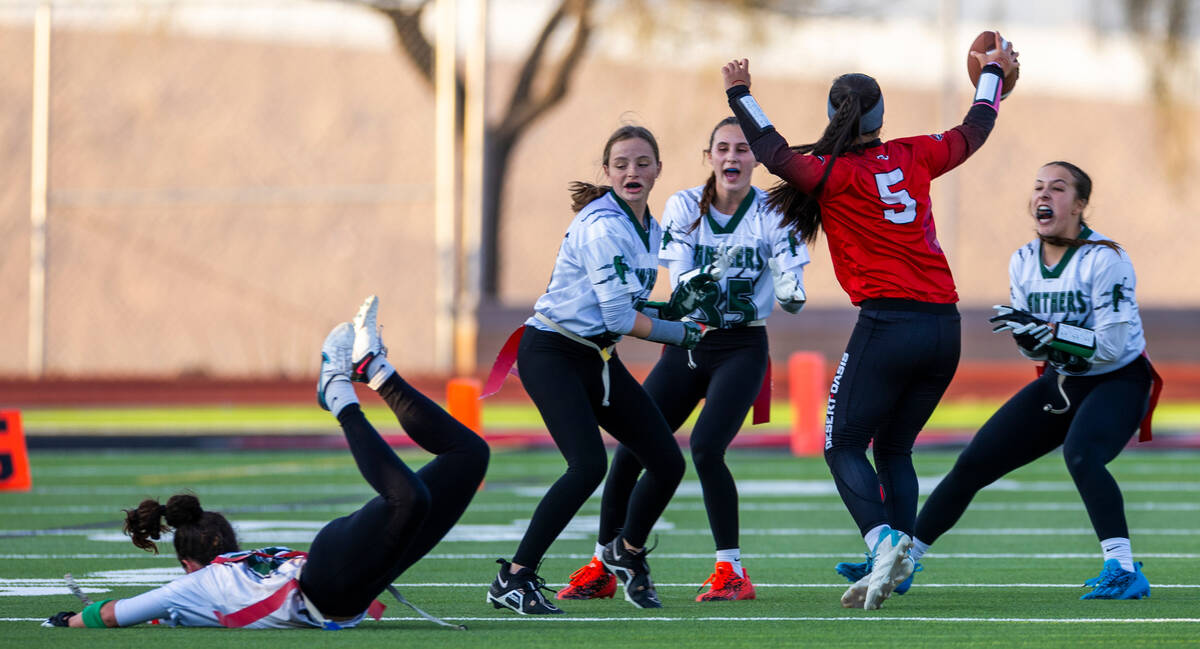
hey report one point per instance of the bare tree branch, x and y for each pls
(407, 24)
(524, 107)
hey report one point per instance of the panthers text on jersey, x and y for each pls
(1091, 286)
(754, 233)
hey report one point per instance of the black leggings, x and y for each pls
(898, 363)
(1105, 411)
(564, 380)
(730, 365)
(353, 558)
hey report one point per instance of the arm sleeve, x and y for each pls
(1113, 296)
(1110, 342)
(960, 142)
(151, 605)
(803, 171)
(619, 314)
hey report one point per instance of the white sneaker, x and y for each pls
(367, 342)
(335, 360)
(892, 567)
(856, 594)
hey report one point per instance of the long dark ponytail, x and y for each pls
(851, 96)
(1083, 191)
(199, 535)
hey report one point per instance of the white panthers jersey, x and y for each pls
(605, 254)
(747, 292)
(197, 598)
(1092, 286)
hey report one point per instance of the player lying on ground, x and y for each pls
(353, 558)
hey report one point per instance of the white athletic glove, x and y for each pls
(788, 290)
(722, 259)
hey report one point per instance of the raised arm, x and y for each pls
(770, 148)
(966, 138)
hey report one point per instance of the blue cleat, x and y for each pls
(855, 571)
(907, 583)
(1114, 582)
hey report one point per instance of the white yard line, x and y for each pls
(807, 618)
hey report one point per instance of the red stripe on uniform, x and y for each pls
(257, 610)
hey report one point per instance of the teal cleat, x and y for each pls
(1114, 582)
(855, 571)
(907, 583)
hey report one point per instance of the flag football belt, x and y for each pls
(506, 359)
(605, 352)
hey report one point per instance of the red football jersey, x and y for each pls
(877, 216)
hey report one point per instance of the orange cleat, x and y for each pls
(726, 585)
(593, 581)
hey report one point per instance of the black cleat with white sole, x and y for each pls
(633, 571)
(520, 592)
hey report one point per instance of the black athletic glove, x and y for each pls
(1030, 332)
(692, 333)
(1068, 363)
(699, 291)
(62, 618)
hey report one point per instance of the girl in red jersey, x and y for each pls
(871, 198)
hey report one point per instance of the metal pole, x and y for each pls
(953, 73)
(466, 335)
(39, 181)
(445, 194)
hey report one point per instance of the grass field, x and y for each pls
(1174, 416)
(1008, 575)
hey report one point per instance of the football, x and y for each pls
(986, 42)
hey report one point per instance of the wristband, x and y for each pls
(991, 80)
(1074, 340)
(91, 615)
(750, 116)
(666, 331)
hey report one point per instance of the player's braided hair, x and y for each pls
(852, 95)
(1083, 191)
(583, 193)
(709, 193)
(199, 535)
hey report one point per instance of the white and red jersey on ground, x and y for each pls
(255, 589)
